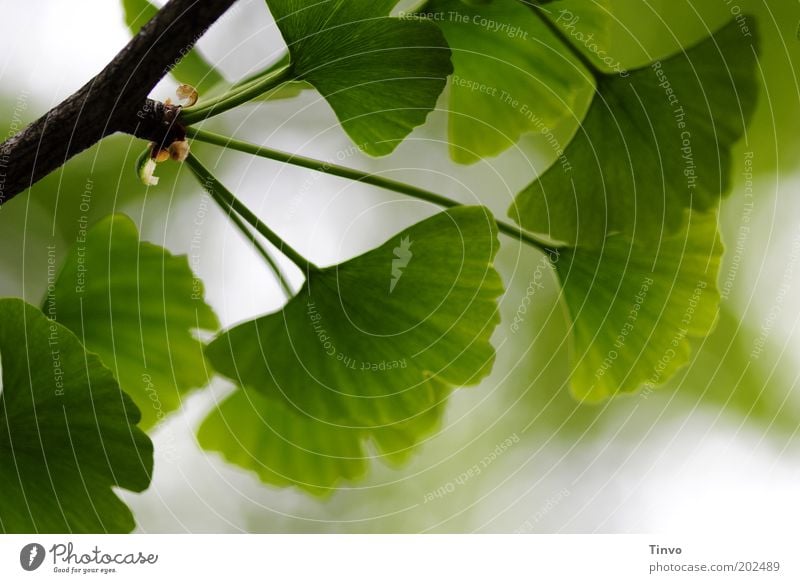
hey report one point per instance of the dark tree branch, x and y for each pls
(114, 101)
(154, 121)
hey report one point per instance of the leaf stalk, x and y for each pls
(358, 176)
(229, 201)
(238, 95)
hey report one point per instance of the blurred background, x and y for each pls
(716, 449)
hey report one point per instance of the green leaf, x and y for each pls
(728, 375)
(281, 445)
(512, 75)
(382, 76)
(285, 447)
(193, 68)
(653, 144)
(136, 305)
(373, 345)
(360, 341)
(635, 306)
(67, 432)
(588, 26)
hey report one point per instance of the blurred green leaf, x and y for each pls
(192, 68)
(774, 135)
(67, 432)
(372, 347)
(382, 76)
(635, 306)
(742, 373)
(136, 305)
(653, 144)
(587, 23)
(642, 32)
(512, 75)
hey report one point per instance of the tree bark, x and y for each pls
(113, 101)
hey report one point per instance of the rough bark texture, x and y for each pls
(114, 101)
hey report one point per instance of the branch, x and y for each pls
(114, 101)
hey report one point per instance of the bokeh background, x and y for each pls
(716, 450)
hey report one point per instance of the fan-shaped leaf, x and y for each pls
(512, 74)
(136, 305)
(381, 75)
(372, 346)
(67, 432)
(360, 341)
(635, 306)
(653, 144)
(287, 448)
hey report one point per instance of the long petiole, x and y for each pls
(237, 96)
(358, 176)
(251, 237)
(228, 200)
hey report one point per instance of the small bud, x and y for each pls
(146, 172)
(161, 156)
(187, 94)
(179, 150)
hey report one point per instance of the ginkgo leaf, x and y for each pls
(635, 306)
(137, 306)
(587, 26)
(373, 345)
(512, 74)
(282, 446)
(67, 432)
(192, 68)
(285, 447)
(382, 76)
(653, 144)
